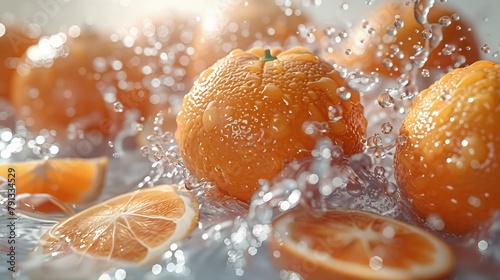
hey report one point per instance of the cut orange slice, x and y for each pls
(72, 180)
(135, 228)
(353, 244)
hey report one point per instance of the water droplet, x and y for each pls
(420, 58)
(409, 92)
(345, 6)
(362, 82)
(110, 144)
(391, 30)
(485, 48)
(426, 73)
(426, 34)
(394, 48)
(343, 93)
(445, 21)
(417, 48)
(354, 189)
(348, 52)
(386, 128)
(385, 100)
(448, 49)
(335, 113)
(145, 151)
(387, 62)
(398, 22)
(445, 95)
(118, 106)
(421, 10)
(455, 17)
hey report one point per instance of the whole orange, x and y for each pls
(448, 166)
(227, 25)
(13, 43)
(77, 85)
(251, 112)
(387, 38)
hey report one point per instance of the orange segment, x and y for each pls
(245, 118)
(134, 228)
(448, 164)
(353, 244)
(71, 180)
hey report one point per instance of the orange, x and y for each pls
(73, 85)
(245, 117)
(71, 180)
(227, 25)
(135, 228)
(448, 164)
(373, 46)
(13, 43)
(353, 244)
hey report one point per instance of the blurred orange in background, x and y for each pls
(389, 38)
(14, 41)
(227, 25)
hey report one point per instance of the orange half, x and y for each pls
(71, 180)
(353, 244)
(135, 228)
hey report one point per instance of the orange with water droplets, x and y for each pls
(133, 229)
(353, 244)
(252, 112)
(71, 180)
(448, 166)
(77, 86)
(387, 38)
(227, 25)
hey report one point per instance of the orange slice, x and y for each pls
(135, 228)
(353, 244)
(72, 180)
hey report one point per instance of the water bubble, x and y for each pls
(417, 48)
(145, 151)
(425, 73)
(110, 144)
(345, 6)
(398, 22)
(426, 34)
(348, 52)
(118, 107)
(445, 21)
(385, 100)
(386, 128)
(455, 17)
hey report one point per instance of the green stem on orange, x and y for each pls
(268, 56)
